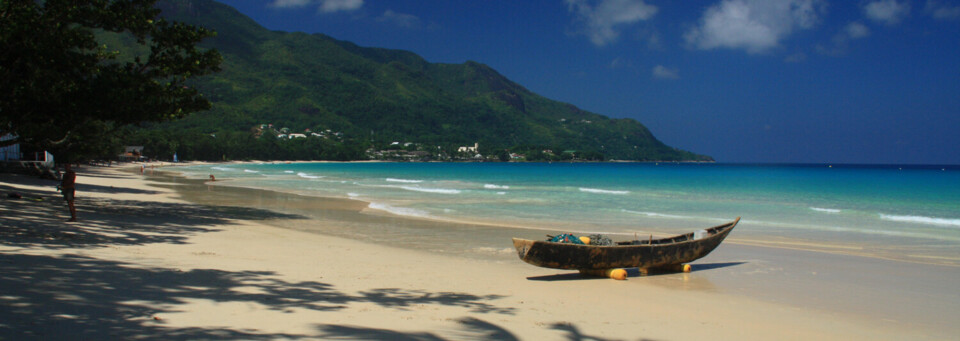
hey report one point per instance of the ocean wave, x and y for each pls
(408, 181)
(308, 176)
(655, 214)
(492, 186)
(825, 210)
(921, 220)
(501, 193)
(859, 230)
(602, 191)
(251, 171)
(225, 169)
(431, 190)
(494, 250)
(402, 211)
(288, 172)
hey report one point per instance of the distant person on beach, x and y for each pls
(68, 188)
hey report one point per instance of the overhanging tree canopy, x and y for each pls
(62, 87)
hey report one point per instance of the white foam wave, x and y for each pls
(492, 186)
(921, 220)
(288, 172)
(494, 250)
(655, 214)
(225, 169)
(825, 210)
(602, 191)
(308, 176)
(408, 181)
(501, 193)
(251, 171)
(911, 234)
(431, 190)
(403, 211)
(353, 195)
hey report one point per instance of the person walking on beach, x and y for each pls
(68, 188)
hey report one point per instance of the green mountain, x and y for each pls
(373, 97)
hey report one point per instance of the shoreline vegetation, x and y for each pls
(143, 262)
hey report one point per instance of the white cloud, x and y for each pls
(855, 30)
(663, 72)
(330, 6)
(841, 41)
(604, 19)
(942, 11)
(325, 6)
(889, 12)
(754, 25)
(290, 3)
(400, 19)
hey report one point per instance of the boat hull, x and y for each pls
(651, 254)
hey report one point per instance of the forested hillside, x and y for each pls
(346, 100)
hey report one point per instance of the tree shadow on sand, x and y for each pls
(471, 329)
(574, 334)
(80, 297)
(76, 297)
(111, 189)
(38, 219)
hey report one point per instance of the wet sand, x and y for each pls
(244, 264)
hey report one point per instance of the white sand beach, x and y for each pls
(142, 263)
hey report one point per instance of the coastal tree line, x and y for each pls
(66, 92)
(228, 145)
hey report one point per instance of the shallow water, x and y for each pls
(904, 213)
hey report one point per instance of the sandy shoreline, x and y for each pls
(836, 242)
(143, 263)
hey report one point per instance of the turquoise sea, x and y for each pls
(909, 213)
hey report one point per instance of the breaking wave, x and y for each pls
(308, 176)
(921, 220)
(401, 211)
(602, 191)
(431, 190)
(492, 186)
(408, 181)
(655, 214)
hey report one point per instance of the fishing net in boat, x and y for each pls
(600, 240)
(594, 239)
(566, 238)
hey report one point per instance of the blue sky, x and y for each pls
(861, 81)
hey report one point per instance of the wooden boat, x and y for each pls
(663, 253)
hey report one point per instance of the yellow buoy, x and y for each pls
(617, 274)
(585, 240)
